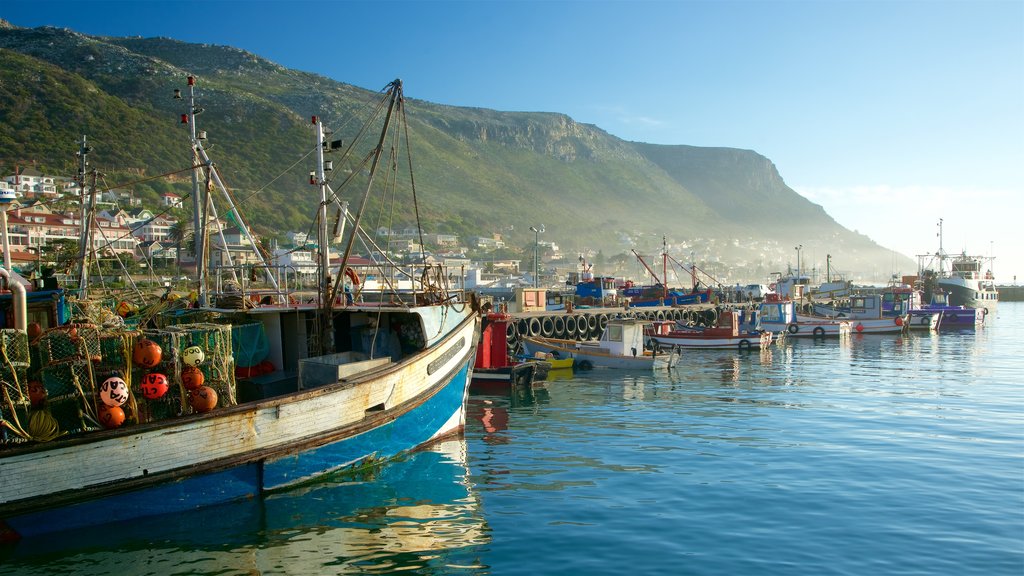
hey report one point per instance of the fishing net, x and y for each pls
(249, 344)
(14, 392)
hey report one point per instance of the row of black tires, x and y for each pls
(591, 326)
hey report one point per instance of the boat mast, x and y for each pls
(203, 202)
(86, 214)
(397, 99)
(664, 267)
(318, 179)
(198, 221)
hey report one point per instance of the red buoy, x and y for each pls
(203, 399)
(154, 386)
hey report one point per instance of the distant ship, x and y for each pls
(964, 283)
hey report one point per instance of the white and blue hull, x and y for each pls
(240, 451)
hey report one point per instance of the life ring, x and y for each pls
(925, 320)
(793, 328)
(819, 332)
(744, 345)
(352, 275)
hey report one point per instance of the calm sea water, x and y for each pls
(877, 455)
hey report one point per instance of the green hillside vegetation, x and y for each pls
(477, 171)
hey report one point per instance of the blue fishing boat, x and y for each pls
(351, 382)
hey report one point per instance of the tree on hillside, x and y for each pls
(180, 233)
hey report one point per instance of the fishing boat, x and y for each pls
(494, 367)
(950, 317)
(421, 508)
(905, 297)
(659, 293)
(129, 421)
(622, 345)
(862, 316)
(726, 334)
(959, 278)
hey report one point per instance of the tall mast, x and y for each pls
(664, 268)
(198, 220)
(319, 180)
(86, 206)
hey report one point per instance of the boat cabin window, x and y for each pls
(614, 333)
(772, 313)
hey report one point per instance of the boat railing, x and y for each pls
(251, 286)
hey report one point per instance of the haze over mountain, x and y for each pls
(478, 172)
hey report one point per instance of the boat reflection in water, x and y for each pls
(417, 513)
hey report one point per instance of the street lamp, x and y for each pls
(798, 259)
(536, 245)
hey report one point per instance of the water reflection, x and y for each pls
(420, 513)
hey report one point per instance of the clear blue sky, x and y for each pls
(889, 114)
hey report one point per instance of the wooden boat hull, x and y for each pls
(240, 451)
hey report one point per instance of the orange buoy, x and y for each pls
(203, 399)
(154, 386)
(147, 353)
(860, 327)
(34, 331)
(111, 416)
(192, 378)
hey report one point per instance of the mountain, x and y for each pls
(477, 171)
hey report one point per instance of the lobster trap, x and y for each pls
(217, 366)
(14, 391)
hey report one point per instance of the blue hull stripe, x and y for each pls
(383, 442)
(406, 432)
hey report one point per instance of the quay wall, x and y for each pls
(583, 324)
(1011, 293)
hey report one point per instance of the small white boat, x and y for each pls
(621, 346)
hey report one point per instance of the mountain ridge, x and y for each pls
(485, 171)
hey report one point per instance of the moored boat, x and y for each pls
(621, 346)
(725, 335)
(351, 383)
(862, 316)
(961, 284)
(494, 366)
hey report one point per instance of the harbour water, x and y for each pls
(874, 455)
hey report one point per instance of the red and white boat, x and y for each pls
(726, 335)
